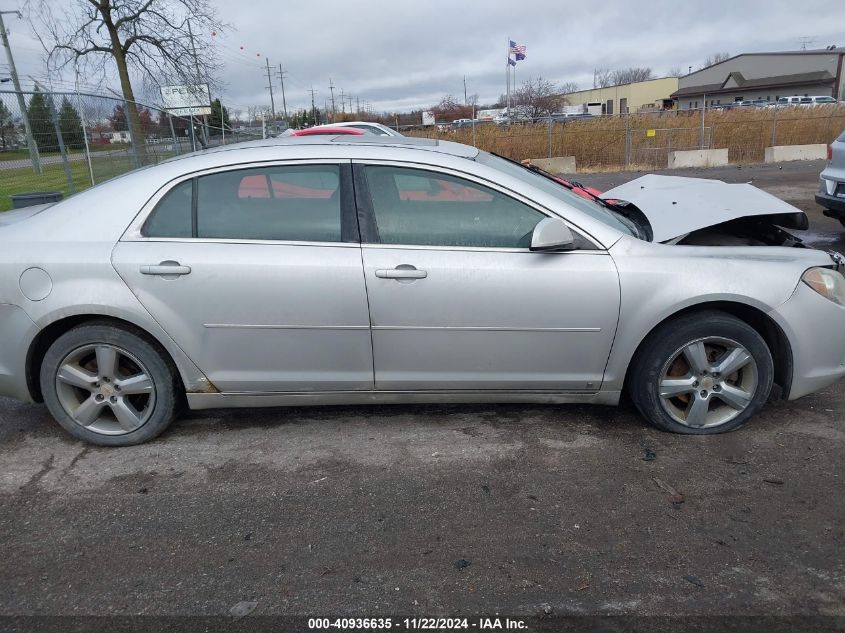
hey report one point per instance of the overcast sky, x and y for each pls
(405, 54)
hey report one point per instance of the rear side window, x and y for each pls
(288, 203)
(172, 215)
(417, 207)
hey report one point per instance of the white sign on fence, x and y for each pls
(428, 118)
(186, 100)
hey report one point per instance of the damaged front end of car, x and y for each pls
(701, 212)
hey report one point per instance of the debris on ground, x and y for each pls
(462, 563)
(650, 455)
(675, 497)
(242, 609)
(694, 580)
(774, 481)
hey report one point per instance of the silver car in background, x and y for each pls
(337, 270)
(831, 194)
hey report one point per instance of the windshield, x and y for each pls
(591, 207)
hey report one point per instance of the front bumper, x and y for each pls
(833, 207)
(815, 327)
(16, 332)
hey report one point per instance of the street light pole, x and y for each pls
(30, 141)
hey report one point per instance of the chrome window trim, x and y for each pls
(133, 232)
(510, 193)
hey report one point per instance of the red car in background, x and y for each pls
(322, 131)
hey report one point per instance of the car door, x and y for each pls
(458, 301)
(256, 274)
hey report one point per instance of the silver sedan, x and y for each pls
(339, 270)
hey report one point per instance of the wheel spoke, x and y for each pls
(140, 383)
(88, 412)
(733, 396)
(106, 361)
(696, 356)
(671, 387)
(75, 376)
(126, 415)
(735, 360)
(697, 412)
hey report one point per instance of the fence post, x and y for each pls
(173, 135)
(62, 149)
(775, 125)
(550, 136)
(627, 140)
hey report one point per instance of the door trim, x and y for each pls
(233, 400)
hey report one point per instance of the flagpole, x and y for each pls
(508, 80)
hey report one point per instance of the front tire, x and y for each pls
(702, 374)
(109, 386)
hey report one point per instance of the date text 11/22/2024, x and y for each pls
(410, 624)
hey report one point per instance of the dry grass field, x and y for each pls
(645, 139)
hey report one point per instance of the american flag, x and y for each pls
(517, 49)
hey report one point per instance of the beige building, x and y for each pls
(654, 94)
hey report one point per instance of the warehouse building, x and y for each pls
(767, 76)
(651, 95)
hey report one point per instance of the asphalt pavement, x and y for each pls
(435, 510)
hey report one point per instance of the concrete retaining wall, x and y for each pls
(698, 158)
(557, 165)
(781, 153)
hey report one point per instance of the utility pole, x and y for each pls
(331, 88)
(358, 105)
(30, 141)
(465, 91)
(313, 106)
(270, 86)
(282, 74)
(342, 102)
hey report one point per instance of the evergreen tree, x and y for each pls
(7, 127)
(41, 123)
(71, 126)
(219, 117)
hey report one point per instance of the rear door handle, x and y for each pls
(401, 273)
(165, 268)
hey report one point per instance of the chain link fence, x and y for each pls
(68, 141)
(645, 140)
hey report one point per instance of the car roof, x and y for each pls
(329, 142)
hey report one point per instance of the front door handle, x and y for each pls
(401, 272)
(165, 268)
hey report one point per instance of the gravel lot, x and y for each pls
(427, 510)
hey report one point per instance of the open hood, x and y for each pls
(676, 206)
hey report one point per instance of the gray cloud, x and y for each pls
(404, 54)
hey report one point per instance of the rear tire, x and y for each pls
(701, 374)
(109, 386)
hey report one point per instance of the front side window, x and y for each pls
(418, 207)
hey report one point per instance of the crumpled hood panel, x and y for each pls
(675, 205)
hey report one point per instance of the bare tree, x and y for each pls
(675, 71)
(149, 38)
(602, 77)
(568, 87)
(537, 98)
(630, 75)
(716, 58)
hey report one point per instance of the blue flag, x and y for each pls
(511, 62)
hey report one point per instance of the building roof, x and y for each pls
(741, 83)
(816, 51)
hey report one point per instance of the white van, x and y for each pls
(805, 101)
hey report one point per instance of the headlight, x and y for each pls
(828, 283)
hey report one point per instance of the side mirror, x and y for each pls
(552, 234)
